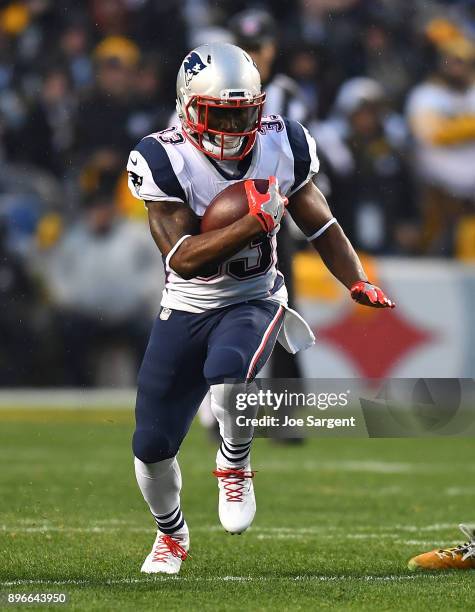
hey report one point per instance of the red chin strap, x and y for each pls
(201, 129)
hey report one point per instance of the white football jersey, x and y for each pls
(165, 166)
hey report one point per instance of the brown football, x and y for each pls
(229, 205)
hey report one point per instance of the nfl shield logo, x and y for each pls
(165, 314)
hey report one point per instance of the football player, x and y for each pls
(457, 557)
(224, 304)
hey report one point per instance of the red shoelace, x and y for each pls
(166, 545)
(234, 481)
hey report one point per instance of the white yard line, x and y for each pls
(416, 528)
(392, 533)
(427, 543)
(113, 522)
(45, 528)
(364, 466)
(456, 491)
(116, 525)
(59, 529)
(152, 579)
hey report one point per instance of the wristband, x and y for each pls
(321, 230)
(174, 250)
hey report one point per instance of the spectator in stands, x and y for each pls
(74, 52)
(105, 280)
(48, 133)
(371, 189)
(150, 113)
(386, 59)
(103, 127)
(304, 69)
(441, 114)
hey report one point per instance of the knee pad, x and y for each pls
(225, 362)
(151, 446)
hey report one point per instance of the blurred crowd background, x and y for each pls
(385, 86)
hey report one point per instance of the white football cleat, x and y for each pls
(237, 503)
(167, 553)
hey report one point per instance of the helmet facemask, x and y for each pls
(223, 128)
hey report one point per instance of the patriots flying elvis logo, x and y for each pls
(193, 64)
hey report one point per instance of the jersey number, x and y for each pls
(171, 136)
(240, 269)
(271, 124)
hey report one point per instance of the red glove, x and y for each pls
(269, 207)
(369, 295)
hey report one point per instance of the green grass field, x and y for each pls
(336, 521)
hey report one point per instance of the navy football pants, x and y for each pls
(185, 355)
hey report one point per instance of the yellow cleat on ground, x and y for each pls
(458, 557)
